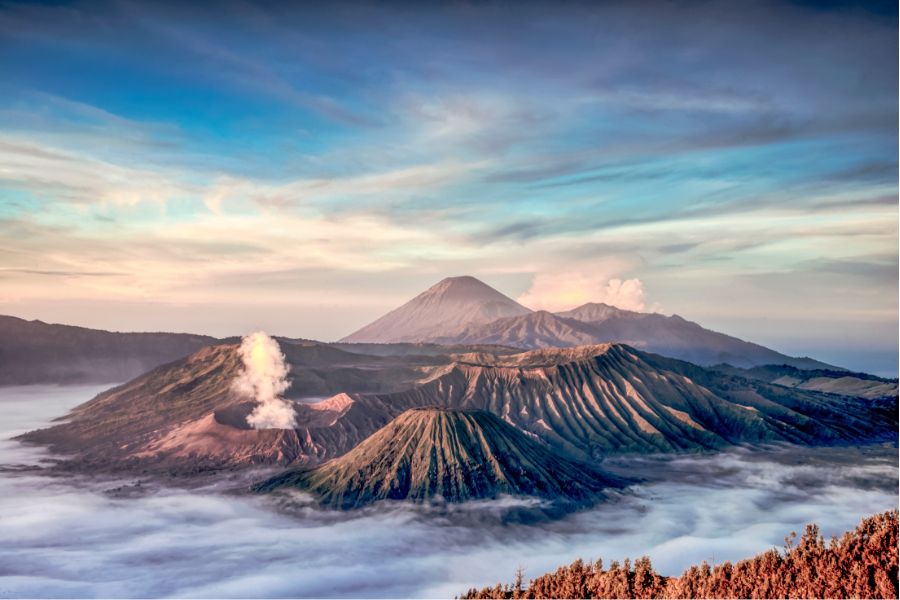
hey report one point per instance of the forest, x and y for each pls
(860, 564)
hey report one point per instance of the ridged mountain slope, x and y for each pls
(452, 455)
(612, 399)
(539, 329)
(599, 324)
(187, 413)
(587, 402)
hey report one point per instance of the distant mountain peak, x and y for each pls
(593, 312)
(449, 305)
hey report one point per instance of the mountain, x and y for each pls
(450, 304)
(860, 385)
(593, 401)
(586, 402)
(187, 416)
(37, 352)
(596, 323)
(679, 338)
(539, 329)
(453, 455)
(594, 312)
(466, 311)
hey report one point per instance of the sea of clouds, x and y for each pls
(70, 537)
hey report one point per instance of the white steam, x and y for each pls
(264, 379)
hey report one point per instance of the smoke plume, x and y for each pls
(264, 379)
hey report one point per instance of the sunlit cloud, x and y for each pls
(569, 289)
(295, 154)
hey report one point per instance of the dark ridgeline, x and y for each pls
(861, 564)
(34, 352)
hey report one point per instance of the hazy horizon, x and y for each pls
(304, 169)
(829, 346)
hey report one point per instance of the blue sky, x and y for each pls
(216, 168)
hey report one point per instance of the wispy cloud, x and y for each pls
(699, 146)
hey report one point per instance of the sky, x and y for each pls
(221, 168)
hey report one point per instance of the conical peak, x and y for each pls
(443, 309)
(464, 287)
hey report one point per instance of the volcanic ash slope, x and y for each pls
(431, 453)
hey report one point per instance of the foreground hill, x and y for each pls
(464, 310)
(37, 352)
(861, 564)
(452, 455)
(586, 402)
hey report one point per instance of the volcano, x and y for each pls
(449, 305)
(430, 453)
(586, 403)
(466, 311)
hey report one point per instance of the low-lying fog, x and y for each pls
(64, 537)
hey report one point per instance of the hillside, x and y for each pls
(669, 336)
(585, 402)
(861, 385)
(679, 338)
(612, 399)
(860, 564)
(36, 352)
(448, 305)
(452, 455)
(539, 329)
(186, 415)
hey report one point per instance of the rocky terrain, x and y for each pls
(463, 310)
(440, 454)
(587, 403)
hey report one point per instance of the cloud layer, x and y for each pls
(73, 538)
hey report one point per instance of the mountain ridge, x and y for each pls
(33, 352)
(590, 323)
(586, 403)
